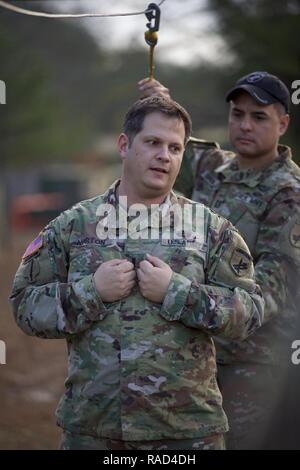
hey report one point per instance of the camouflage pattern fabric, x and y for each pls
(139, 370)
(78, 442)
(185, 181)
(265, 207)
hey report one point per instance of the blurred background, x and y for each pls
(68, 85)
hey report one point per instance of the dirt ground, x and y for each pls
(32, 380)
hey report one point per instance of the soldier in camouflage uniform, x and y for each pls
(138, 313)
(258, 190)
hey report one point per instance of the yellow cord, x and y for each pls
(151, 63)
(151, 39)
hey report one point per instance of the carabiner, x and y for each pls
(151, 37)
(153, 15)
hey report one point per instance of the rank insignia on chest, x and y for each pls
(240, 262)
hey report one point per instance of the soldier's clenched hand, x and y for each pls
(154, 278)
(114, 279)
(149, 87)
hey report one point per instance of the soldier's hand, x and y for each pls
(154, 277)
(114, 279)
(150, 87)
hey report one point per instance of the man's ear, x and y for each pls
(284, 123)
(123, 145)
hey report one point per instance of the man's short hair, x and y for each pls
(135, 116)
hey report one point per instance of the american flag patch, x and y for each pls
(33, 247)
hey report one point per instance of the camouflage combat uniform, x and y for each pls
(265, 207)
(71, 441)
(139, 371)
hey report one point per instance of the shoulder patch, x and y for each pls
(295, 235)
(34, 246)
(240, 262)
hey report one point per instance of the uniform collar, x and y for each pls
(230, 172)
(110, 196)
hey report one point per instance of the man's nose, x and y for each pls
(246, 123)
(164, 153)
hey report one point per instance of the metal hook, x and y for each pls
(153, 15)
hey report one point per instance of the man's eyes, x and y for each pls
(260, 117)
(175, 149)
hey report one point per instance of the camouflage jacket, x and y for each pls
(139, 370)
(265, 207)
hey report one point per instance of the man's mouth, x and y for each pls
(159, 170)
(245, 140)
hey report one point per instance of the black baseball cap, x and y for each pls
(264, 88)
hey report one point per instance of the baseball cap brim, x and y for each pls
(262, 97)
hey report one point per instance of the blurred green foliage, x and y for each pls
(64, 92)
(37, 122)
